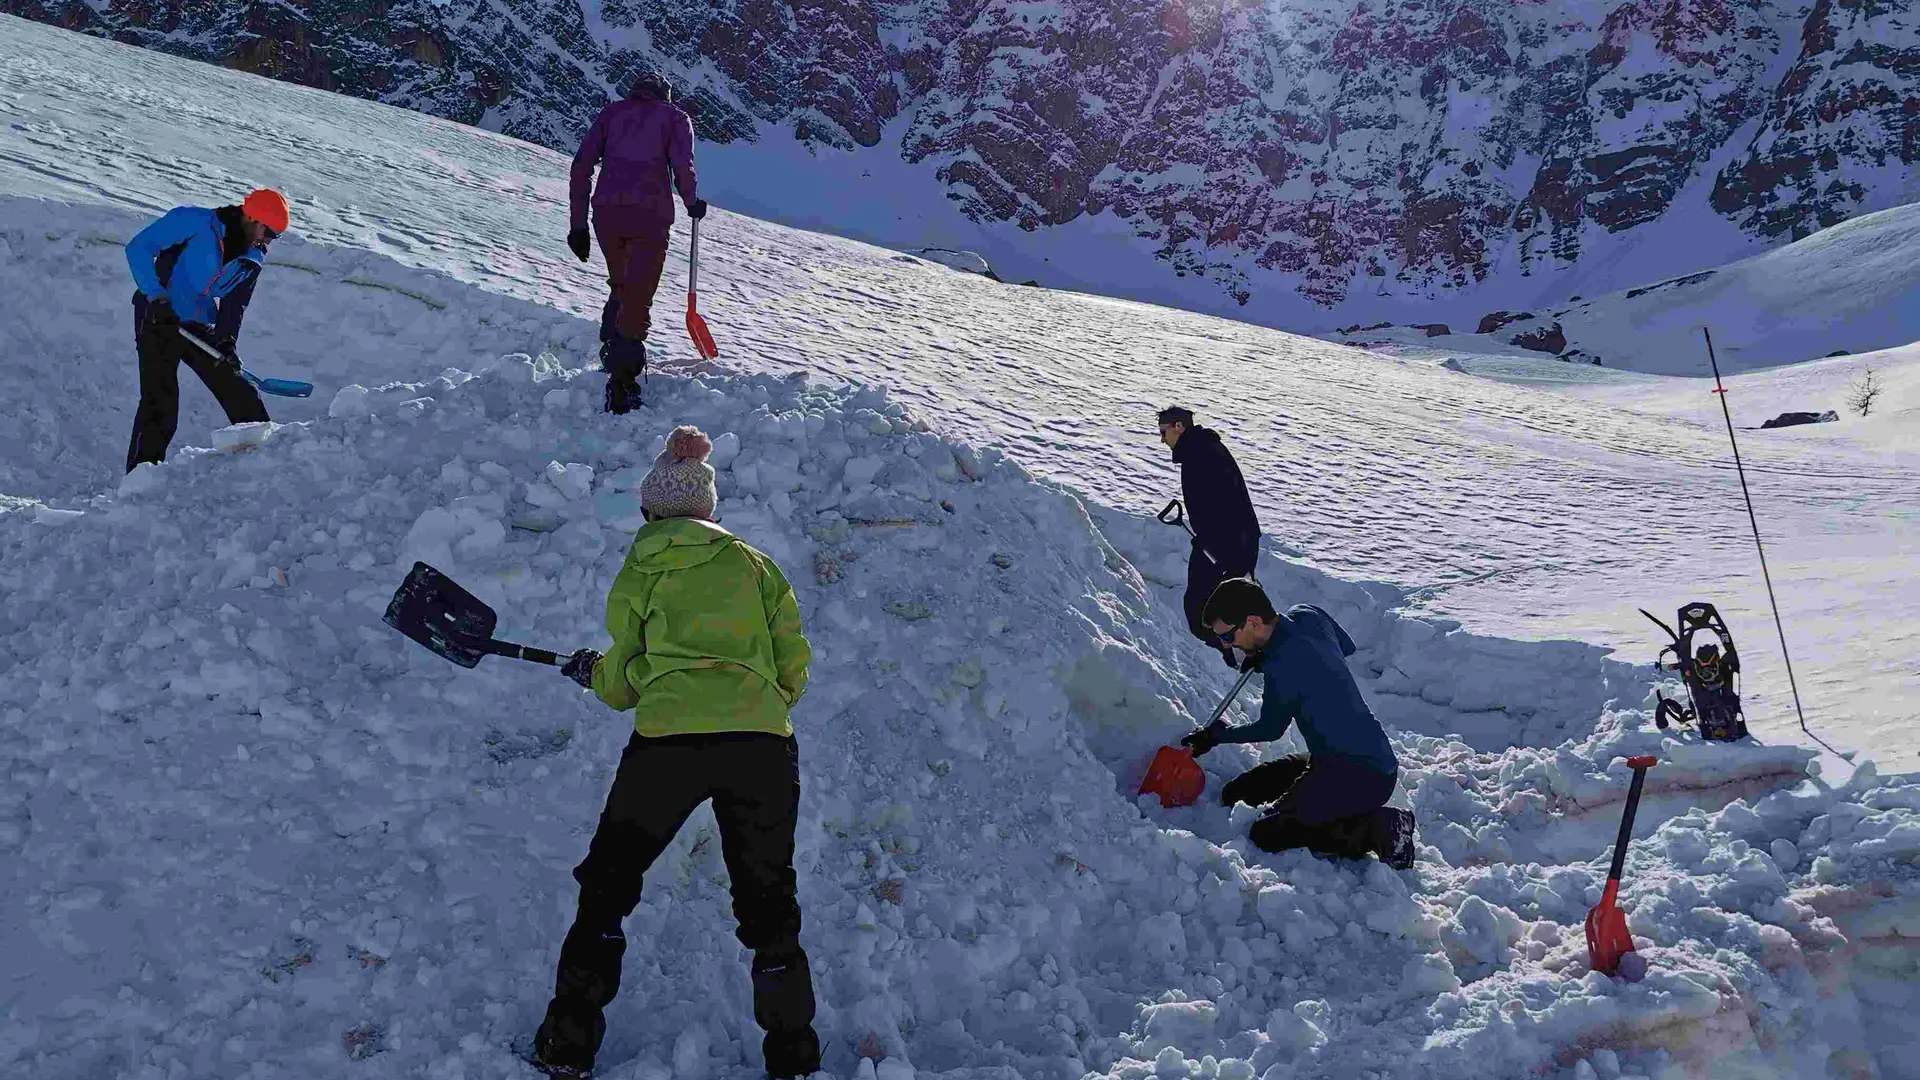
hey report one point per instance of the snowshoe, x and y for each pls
(1711, 673)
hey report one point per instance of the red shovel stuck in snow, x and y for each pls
(697, 326)
(1173, 774)
(1607, 937)
(1175, 777)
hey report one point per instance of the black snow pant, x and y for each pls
(162, 350)
(1203, 576)
(1326, 804)
(754, 782)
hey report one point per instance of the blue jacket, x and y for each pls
(192, 256)
(1305, 668)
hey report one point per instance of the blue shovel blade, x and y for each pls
(279, 387)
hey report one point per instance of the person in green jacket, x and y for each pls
(708, 653)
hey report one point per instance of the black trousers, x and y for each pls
(754, 782)
(1326, 805)
(162, 350)
(1203, 576)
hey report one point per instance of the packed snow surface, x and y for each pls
(254, 832)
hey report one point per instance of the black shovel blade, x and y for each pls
(432, 609)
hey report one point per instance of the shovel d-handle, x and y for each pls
(1639, 765)
(496, 647)
(1175, 515)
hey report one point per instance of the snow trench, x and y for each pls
(255, 832)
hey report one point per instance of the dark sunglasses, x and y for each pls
(1227, 637)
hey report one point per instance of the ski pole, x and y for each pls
(1720, 389)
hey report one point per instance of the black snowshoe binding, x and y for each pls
(1711, 672)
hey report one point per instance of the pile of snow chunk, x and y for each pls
(253, 827)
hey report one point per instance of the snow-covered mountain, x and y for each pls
(1304, 164)
(1852, 288)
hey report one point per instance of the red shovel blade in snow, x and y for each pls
(697, 326)
(1175, 777)
(1607, 936)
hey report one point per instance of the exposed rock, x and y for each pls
(1795, 419)
(1550, 340)
(1493, 321)
(1433, 329)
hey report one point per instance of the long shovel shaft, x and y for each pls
(1221, 710)
(1626, 820)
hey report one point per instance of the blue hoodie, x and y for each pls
(184, 256)
(1305, 669)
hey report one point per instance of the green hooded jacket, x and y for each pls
(706, 635)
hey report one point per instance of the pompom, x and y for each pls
(689, 443)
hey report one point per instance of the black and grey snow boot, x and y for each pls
(625, 361)
(1393, 836)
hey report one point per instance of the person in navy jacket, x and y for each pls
(195, 270)
(1334, 797)
(1226, 534)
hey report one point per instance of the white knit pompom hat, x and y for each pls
(680, 484)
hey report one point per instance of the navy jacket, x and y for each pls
(1305, 668)
(1216, 496)
(196, 259)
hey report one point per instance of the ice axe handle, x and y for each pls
(521, 652)
(1639, 765)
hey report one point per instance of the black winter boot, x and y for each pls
(625, 360)
(783, 1006)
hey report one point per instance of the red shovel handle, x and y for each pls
(1646, 761)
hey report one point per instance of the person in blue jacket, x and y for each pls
(195, 269)
(1333, 799)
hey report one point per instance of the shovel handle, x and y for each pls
(521, 652)
(1228, 700)
(1639, 765)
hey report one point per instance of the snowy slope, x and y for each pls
(1851, 288)
(1526, 514)
(256, 833)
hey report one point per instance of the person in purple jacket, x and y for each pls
(643, 146)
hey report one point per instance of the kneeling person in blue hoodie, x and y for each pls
(1332, 800)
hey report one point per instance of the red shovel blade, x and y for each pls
(1607, 936)
(697, 330)
(1175, 777)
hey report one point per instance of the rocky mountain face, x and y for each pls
(1323, 146)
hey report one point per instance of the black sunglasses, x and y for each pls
(1226, 638)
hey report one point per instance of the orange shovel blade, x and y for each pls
(697, 330)
(1607, 936)
(1175, 777)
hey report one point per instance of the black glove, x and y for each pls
(698, 210)
(579, 667)
(1252, 661)
(1205, 738)
(577, 240)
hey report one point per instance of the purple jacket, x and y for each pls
(635, 142)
